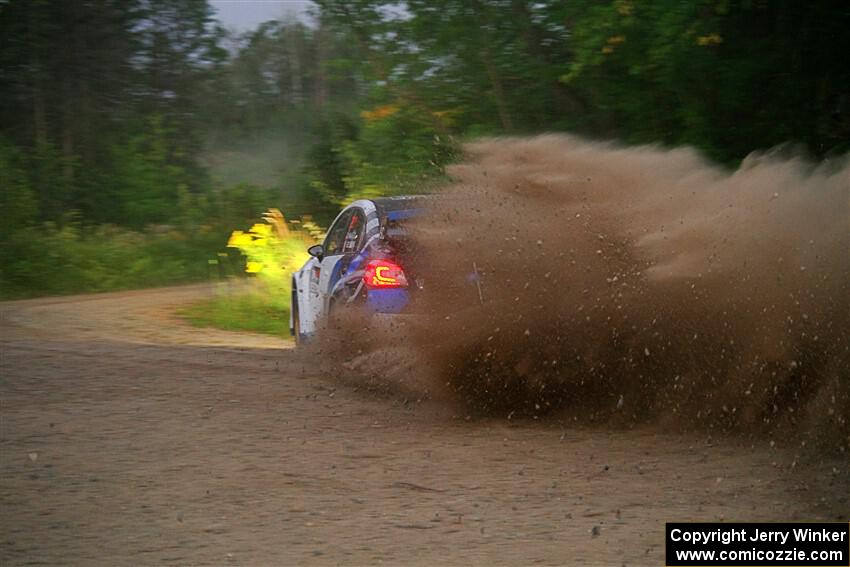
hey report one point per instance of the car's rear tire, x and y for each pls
(342, 317)
(333, 314)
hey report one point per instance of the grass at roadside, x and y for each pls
(242, 312)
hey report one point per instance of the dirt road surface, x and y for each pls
(130, 438)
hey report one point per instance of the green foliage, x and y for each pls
(72, 257)
(147, 180)
(398, 148)
(726, 77)
(253, 311)
(52, 259)
(18, 207)
(327, 167)
(392, 149)
(79, 78)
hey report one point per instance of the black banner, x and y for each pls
(758, 544)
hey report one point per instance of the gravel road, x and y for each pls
(130, 438)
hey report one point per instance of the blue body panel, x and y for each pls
(387, 300)
(403, 214)
(392, 301)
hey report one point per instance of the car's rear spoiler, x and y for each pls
(390, 227)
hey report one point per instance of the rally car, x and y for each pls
(364, 263)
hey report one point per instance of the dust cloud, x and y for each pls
(628, 285)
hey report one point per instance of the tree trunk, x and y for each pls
(295, 67)
(39, 112)
(320, 89)
(498, 91)
(67, 150)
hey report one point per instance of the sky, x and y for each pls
(245, 15)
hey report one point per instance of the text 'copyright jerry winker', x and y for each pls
(754, 544)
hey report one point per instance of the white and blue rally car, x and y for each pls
(364, 261)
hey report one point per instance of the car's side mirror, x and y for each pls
(316, 251)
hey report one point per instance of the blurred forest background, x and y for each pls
(136, 134)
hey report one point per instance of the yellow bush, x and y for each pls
(274, 249)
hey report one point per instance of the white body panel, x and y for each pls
(306, 292)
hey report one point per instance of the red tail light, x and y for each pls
(384, 274)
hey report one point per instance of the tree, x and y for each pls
(727, 77)
(18, 207)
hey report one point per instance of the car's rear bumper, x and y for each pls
(387, 301)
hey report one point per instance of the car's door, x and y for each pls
(343, 244)
(332, 248)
